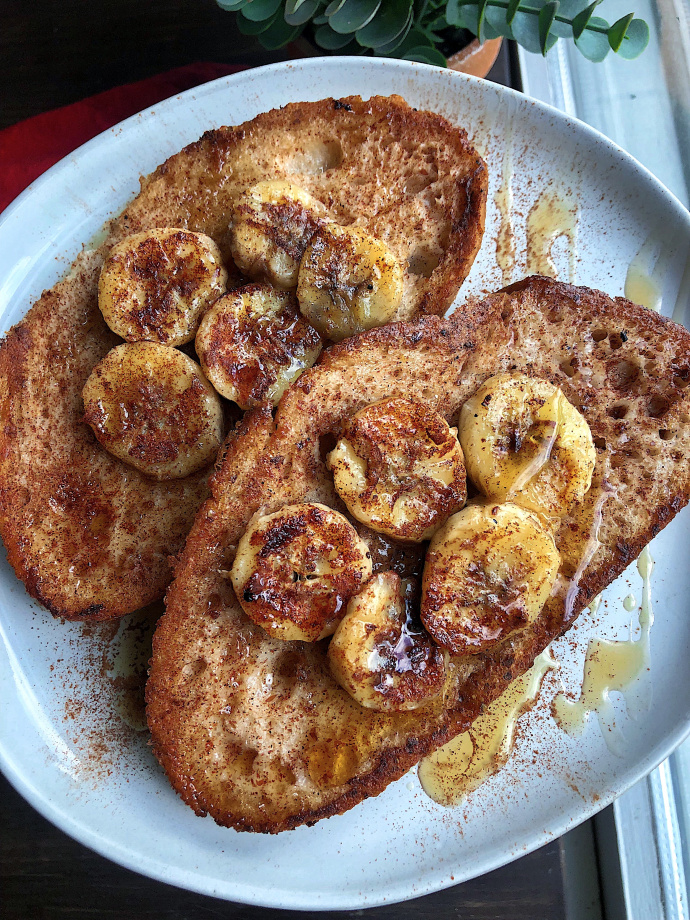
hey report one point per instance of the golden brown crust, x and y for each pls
(407, 177)
(89, 536)
(92, 539)
(306, 750)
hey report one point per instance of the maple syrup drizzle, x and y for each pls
(461, 766)
(621, 666)
(552, 216)
(642, 281)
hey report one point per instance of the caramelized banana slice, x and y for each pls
(348, 282)
(380, 656)
(399, 469)
(295, 570)
(151, 406)
(272, 223)
(253, 343)
(155, 285)
(525, 442)
(488, 572)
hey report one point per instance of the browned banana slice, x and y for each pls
(296, 569)
(155, 285)
(151, 406)
(399, 469)
(348, 281)
(253, 343)
(380, 656)
(272, 222)
(488, 572)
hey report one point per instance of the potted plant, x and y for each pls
(432, 31)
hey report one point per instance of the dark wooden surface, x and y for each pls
(53, 53)
(44, 875)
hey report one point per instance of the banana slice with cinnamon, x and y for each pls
(296, 568)
(253, 343)
(272, 222)
(488, 573)
(150, 406)
(399, 468)
(155, 285)
(380, 656)
(348, 281)
(524, 442)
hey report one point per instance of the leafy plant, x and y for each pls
(431, 30)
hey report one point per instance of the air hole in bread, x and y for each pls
(623, 374)
(326, 444)
(244, 762)
(620, 410)
(555, 317)
(615, 340)
(417, 183)
(193, 669)
(423, 262)
(657, 406)
(599, 443)
(653, 451)
(568, 367)
(599, 335)
(318, 158)
(680, 382)
(667, 434)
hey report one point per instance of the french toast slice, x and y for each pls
(407, 177)
(91, 537)
(255, 731)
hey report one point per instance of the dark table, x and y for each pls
(57, 53)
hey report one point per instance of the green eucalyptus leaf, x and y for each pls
(481, 7)
(525, 28)
(408, 39)
(320, 20)
(388, 24)
(291, 6)
(333, 7)
(453, 13)
(594, 45)
(250, 27)
(231, 6)
(571, 8)
(469, 17)
(261, 10)
(618, 30)
(279, 34)
(304, 12)
(635, 41)
(426, 55)
(353, 15)
(496, 20)
(580, 21)
(547, 14)
(513, 7)
(399, 42)
(329, 40)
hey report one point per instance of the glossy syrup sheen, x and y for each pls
(462, 765)
(613, 666)
(552, 216)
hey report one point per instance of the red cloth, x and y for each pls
(30, 147)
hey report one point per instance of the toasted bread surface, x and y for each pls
(255, 731)
(91, 537)
(408, 177)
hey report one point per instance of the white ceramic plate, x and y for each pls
(63, 743)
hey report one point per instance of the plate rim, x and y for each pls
(289, 899)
